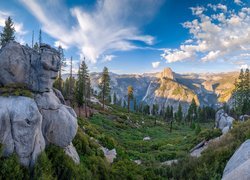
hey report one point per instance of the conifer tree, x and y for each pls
(82, 90)
(179, 114)
(114, 98)
(192, 112)
(40, 38)
(79, 90)
(104, 86)
(135, 105)
(36, 47)
(241, 94)
(61, 64)
(8, 32)
(130, 95)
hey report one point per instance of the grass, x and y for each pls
(17, 89)
(127, 130)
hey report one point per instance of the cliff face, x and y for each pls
(28, 124)
(169, 88)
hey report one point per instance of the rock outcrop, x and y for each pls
(238, 165)
(28, 124)
(223, 121)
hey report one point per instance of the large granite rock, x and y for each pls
(20, 128)
(239, 164)
(27, 125)
(223, 121)
(23, 65)
(59, 121)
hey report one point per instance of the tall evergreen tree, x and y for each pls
(114, 98)
(61, 64)
(36, 47)
(241, 94)
(8, 32)
(40, 38)
(130, 94)
(179, 114)
(192, 112)
(104, 86)
(82, 90)
(135, 105)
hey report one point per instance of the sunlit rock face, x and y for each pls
(27, 124)
(223, 121)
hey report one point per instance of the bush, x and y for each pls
(43, 168)
(10, 168)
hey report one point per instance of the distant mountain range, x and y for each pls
(170, 88)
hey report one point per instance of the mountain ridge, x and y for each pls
(170, 88)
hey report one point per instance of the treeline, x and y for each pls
(77, 91)
(241, 94)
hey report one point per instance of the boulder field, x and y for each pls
(29, 124)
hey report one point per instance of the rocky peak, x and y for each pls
(167, 73)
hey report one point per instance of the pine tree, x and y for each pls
(40, 38)
(130, 95)
(71, 82)
(8, 32)
(61, 56)
(36, 47)
(83, 90)
(79, 90)
(241, 94)
(114, 98)
(135, 105)
(179, 114)
(104, 86)
(192, 112)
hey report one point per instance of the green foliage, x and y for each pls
(10, 168)
(197, 129)
(17, 89)
(241, 94)
(43, 168)
(104, 85)
(126, 169)
(8, 32)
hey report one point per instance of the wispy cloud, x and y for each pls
(110, 26)
(222, 35)
(108, 58)
(156, 64)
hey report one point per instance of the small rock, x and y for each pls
(147, 138)
(70, 150)
(109, 154)
(137, 162)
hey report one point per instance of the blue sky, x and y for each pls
(137, 36)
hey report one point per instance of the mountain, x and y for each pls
(170, 88)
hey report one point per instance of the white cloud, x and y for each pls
(59, 43)
(244, 66)
(218, 36)
(156, 64)
(212, 55)
(108, 58)
(111, 25)
(218, 7)
(239, 2)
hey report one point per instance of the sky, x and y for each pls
(139, 36)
